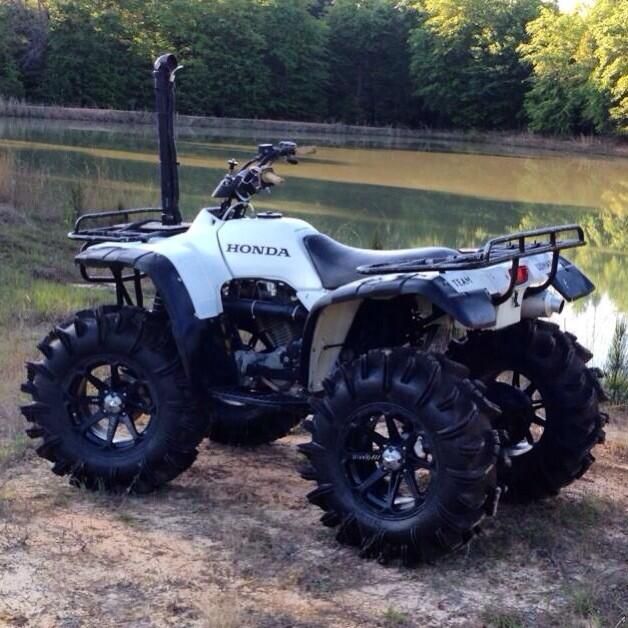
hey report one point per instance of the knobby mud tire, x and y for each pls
(556, 363)
(451, 411)
(179, 426)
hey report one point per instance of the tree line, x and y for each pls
(486, 64)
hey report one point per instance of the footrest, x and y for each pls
(270, 399)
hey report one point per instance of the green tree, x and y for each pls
(608, 21)
(369, 62)
(11, 76)
(92, 60)
(465, 65)
(25, 39)
(11, 85)
(296, 60)
(561, 53)
(222, 49)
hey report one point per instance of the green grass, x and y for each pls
(583, 602)
(34, 301)
(36, 265)
(12, 448)
(598, 603)
(394, 618)
(36, 287)
(499, 618)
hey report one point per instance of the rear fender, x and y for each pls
(331, 317)
(570, 282)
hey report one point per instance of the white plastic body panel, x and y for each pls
(496, 279)
(197, 259)
(213, 252)
(272, 248)
(331, 330)
(268, 248)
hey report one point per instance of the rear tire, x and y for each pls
(439, 440)
(555, 365)
(149, 425)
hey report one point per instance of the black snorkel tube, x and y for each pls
(163, 72)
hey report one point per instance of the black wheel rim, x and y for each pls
(389, 460)
(523, 405)
(111, 404)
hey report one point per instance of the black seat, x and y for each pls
(336, 263)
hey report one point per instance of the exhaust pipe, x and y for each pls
(543, 304)
(164, 70)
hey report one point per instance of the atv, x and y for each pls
(434, 385)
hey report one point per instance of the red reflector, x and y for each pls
(522, 275)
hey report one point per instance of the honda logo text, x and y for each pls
(255, 249)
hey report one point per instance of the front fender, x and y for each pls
(190, 332)
(332, 315)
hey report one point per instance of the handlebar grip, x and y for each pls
(286, 148)
(271, 178)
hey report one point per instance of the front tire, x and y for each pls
(403, 454)
(112, 404)
(560, 420)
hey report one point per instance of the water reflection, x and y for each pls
(395, 198)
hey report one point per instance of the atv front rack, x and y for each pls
(137, 231)
(507, 248)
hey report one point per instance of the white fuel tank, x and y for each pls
(271, 248)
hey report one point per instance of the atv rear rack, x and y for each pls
(137, 231)
(507, 248)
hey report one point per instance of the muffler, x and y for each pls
(543, 304)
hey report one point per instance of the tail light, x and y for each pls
(521, 275)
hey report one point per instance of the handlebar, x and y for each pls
(257, 174)
(269, 153)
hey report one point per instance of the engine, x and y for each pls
(267, 324)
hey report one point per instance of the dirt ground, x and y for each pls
(233, 543)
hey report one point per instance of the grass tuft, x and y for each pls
(394, 618)
(616, 380)
(12, 448)
(598, 602)
(500, 618)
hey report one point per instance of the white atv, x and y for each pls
(434, 387)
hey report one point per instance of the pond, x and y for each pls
(364, 194)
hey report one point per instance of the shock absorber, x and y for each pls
(158, 304)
